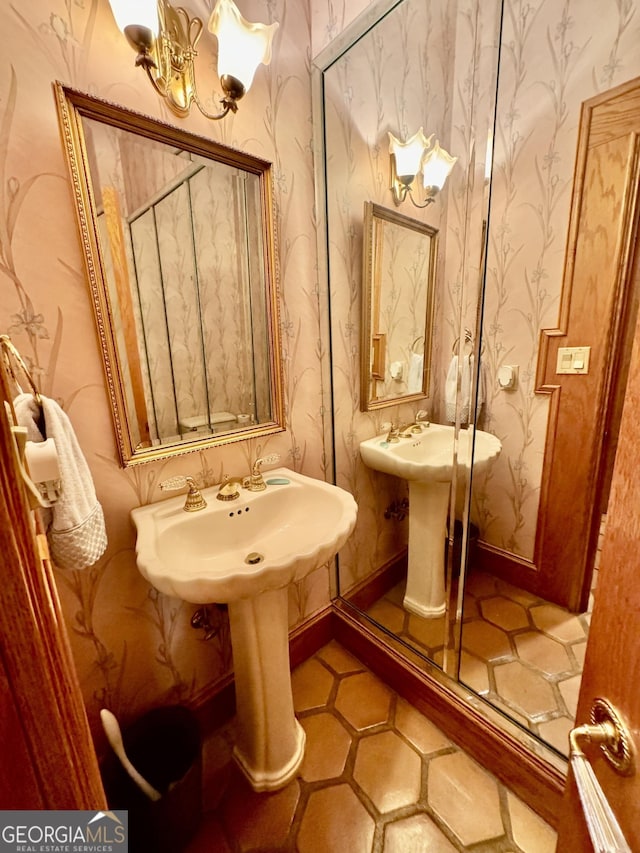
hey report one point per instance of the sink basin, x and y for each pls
(426, 461)
(245, 552)
(428, 456)
(241, 548)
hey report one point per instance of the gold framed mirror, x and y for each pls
(399, 260)
(178, 240)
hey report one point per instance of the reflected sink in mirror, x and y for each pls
(426, 460)
(428, 456)
(245, 552)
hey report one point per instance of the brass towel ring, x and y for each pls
(9, 349)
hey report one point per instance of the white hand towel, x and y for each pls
(416, 369)
(75, 524)
(451, 386)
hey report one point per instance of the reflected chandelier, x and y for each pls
(414, 158)
(165, 38)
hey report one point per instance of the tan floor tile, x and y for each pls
(339, 659)
(326, 748)
(465, 797)
(556, 733)
(418, 729)
(529, 831)
(429, 632)
(363, 700)
(504, 613)
(515, 594)
(335, 821)
(398, 784)
(474, 673)
(481, 584)
(524, 689)
(544, 653)
(557, 622)
(501, 706)
(470, 609)
(388, 615)
(485, 641)
(311, 684)
(250, 817)
(579, 651)
(416, 834)
(396, 595)
(569, 690)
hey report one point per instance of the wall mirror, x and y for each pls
(398, 267)
(178, 239)
(447, 83)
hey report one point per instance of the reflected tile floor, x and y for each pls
(524, 655)
(377, 777)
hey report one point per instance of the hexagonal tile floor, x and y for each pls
(377, 777)
(519, 652)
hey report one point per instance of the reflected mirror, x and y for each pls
(397, 307)
(177, 233)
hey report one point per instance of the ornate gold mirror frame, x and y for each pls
(399, 260)
(190, 345)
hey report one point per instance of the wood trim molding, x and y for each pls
(533, 779)
(375, 585)
(593, 312)
(510, 567)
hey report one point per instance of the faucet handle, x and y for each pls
(256, 483)
(174, 483)
(194, 501)
(265, 460)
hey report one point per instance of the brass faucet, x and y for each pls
(412, 428)
(415, 426)
(229, 489)
(194, 500)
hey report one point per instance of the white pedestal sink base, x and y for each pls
(428, 511)
(270, 742)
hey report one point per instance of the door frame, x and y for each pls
(44, 719)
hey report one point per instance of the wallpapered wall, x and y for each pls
(133, 647)
(555, 55)
(377, 87)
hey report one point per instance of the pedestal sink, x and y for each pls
(426, 461)
(245, 552)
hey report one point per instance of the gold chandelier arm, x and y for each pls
(148, 64)
(228, 105)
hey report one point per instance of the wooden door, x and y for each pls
(612, 666)
(48, 759)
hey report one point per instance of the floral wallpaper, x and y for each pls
(134, 647)
(554, 56)
(368, 92)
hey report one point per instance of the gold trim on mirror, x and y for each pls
(399, 261)
(188, 325)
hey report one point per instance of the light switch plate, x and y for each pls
(573, 360)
